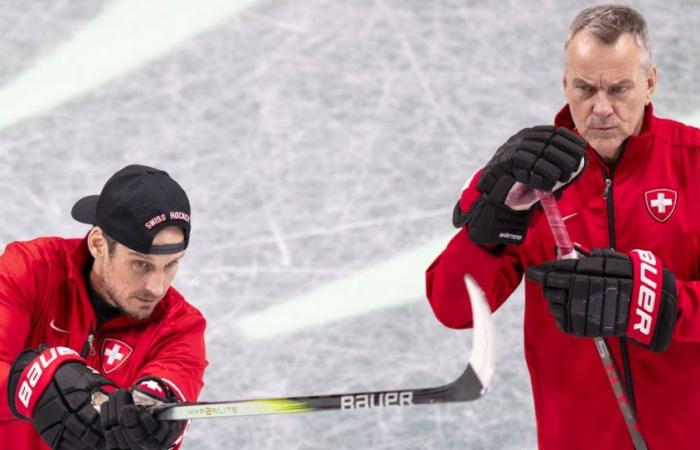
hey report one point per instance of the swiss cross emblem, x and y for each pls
(661, 203)
(114, 353)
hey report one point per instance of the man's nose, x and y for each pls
(602, 106)
(156, 284)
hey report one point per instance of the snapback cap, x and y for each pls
(134, 205)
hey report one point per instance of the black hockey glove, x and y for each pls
(611, 294)
(544, 158)
(128, 424)
(53, 388)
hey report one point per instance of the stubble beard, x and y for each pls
(113, 298)
(137, 314)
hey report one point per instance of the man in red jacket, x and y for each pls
(92, 333)
(628, 187)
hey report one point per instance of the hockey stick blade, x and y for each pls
(471, 384)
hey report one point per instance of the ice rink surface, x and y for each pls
(323, 145)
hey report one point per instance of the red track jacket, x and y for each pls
(43, 300)
(651, 201)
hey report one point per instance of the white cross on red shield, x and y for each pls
(114, 354)
(661, 203)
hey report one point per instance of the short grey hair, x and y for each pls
(609, 22)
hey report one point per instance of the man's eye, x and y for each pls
(618, 89)
(140, 266)
(584, 89)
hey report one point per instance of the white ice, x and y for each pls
(323, 144)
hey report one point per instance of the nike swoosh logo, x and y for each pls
(53, 325)
(565, 218)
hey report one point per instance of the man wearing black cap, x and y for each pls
(92, 333)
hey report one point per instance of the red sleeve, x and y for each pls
(688, 318)
(179, 358)
(17, 288)
(497, 274)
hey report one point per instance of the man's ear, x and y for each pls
(97, 245)
(651, 84)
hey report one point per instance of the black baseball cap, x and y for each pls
(135, 204)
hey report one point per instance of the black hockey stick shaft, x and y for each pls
(470, 385)
(466, 388)
(566, 251)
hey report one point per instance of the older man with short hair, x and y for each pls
(627, 186)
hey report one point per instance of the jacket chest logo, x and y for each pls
(661, 203)
(114, 354)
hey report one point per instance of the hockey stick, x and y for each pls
(471, 385)
(566, 251)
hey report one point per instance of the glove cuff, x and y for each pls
(25, 392)
(157, 389)
(653, 302)
(491, 223)
(667, 314)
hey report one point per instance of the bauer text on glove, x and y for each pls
(611, 294)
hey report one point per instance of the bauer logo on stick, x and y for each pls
(376, 400)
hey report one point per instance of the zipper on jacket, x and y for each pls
(87, 347)
(608, 186)
(608, 197)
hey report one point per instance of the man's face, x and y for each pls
(607, 89)
(136, 282)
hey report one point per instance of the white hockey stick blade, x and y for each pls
(482, 358)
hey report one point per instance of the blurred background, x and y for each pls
(323, 144)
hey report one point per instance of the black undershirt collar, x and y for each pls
(103, 310)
